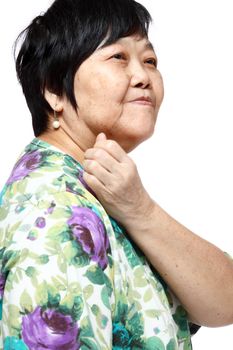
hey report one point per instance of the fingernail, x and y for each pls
(101, 136)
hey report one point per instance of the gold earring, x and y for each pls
(56, 123)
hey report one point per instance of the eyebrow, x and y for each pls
(149, 46)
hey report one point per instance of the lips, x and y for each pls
(143, 100)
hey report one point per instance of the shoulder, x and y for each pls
(46, 205)
(62, 221)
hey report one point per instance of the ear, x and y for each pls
(55, 101)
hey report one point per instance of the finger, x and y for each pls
(100, 137)
(92, 167)
(96, 185)
(103, 158)
(113, 148)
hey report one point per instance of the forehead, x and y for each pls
(132, 42)
(137, 40)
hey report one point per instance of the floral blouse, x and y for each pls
(70, 276)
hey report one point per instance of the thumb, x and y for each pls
(101, 137)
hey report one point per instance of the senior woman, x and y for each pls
(71, 278)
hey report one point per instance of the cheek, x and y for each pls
(110, 89)
(158, 88)
(101, 95)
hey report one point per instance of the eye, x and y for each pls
(119, 56)
(152, 61)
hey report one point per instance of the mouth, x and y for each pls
(144, 101)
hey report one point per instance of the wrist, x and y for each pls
(142, 218)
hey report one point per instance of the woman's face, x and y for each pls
(118, 91)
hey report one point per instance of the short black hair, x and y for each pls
(57, 42)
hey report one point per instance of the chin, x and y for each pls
(132, 141)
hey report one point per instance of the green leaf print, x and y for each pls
(49, 169)
(108, 285)
(77, 309)
(135, 294)
(43, 259)
(95, 275)
(65, 236)
(4, 212)
(81, 261)
(2, 242)
(88, 291)
(69, 251)
(26, 302)
(2, 250)
(9, 259)
(110, 261)
(135, 325)
(70, 163)
(171, 345)
(130, 253)
(65, 200)
(86, 329)
(24, 254)
(148, 295)
(101, 337)
(187, 344)
(105, 297)
(75, 287)
(88, 344)
(100, 318)
(30, 271)
(154, 343)
(104, 321)
(36, 175)
(58, 284)
(53, 299)
(0, 309)
(95, 309)
(41, 294)
(67, 302)
(14, 314)
(22, 185)
(61, 263)
(22, 198)
(59, 213)
(139, 277)
(180, 318)
(153, 313)
(57, 229)
(18, 275)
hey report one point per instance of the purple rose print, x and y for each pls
(81, 179)
(51, 208)
(25, 165)
(40, 222)
(90, 232)
(49, 329)
(2, 284)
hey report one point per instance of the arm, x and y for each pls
(57, 291)
(198, 272)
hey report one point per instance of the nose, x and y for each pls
(139, 76)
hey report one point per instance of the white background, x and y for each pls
(187, 165)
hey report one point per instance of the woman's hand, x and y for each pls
(113, 176)
(199, 273)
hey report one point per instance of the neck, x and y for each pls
(65, 142)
